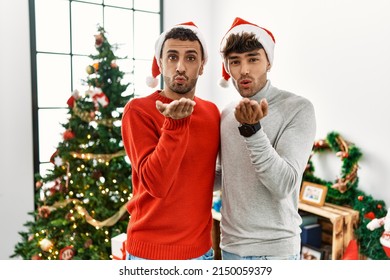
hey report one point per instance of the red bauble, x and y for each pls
(38, 184)
(71, 102)
(99, 40)
(68, 134)
(36, 257)
(67, 253)
(370, 215)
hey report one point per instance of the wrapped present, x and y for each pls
(118, 247)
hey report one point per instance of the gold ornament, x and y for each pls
(46, 245)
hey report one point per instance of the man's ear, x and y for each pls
(201, 68)
(160, 66)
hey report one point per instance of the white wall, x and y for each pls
(333, 52)
(16, 164)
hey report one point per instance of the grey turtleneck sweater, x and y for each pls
(261, 176)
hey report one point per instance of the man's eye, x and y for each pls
(172, 57)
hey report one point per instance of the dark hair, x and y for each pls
(183, 34)
(240, 43)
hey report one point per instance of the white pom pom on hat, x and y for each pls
(152, 81)
(265, 37)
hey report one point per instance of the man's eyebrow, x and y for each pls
(253, 54)
(172, 51)
(233, 57)
(246, 55)
(187, 51)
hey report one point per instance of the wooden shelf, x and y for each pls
(344, 221)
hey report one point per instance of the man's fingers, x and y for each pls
(160, 106)
(264, 106)
(177, 109)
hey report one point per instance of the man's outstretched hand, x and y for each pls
(177, 109)
(250, 111)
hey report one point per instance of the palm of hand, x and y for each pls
(177, 109)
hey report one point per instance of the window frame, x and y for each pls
(37, 162)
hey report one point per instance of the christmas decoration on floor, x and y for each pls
(344, 191)
(81, 201)
(385, 238)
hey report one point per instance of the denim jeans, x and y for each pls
(208, 256)
(231, 256)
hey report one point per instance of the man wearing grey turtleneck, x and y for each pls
(266, 140)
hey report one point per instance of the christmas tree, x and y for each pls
(81, 201)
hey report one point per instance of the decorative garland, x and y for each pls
(104, 157)
(89, 219)
(344, 191)
(90, 116)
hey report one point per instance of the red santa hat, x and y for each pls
(152, 81)
(265, 37)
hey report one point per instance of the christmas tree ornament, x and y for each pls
(46, 245)
(88, 243)
(369, 215)
(71, 101)
(68, 135)
(38, 184)
(96, 66)
(44, 211)
(385, 237)
(36, 257)
(99, 39)
(113, 64)
(67, 253)
(90, 69)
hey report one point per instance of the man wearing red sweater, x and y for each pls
(172, 139)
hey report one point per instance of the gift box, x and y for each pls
(118, 247)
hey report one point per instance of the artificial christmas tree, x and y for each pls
(80, 202)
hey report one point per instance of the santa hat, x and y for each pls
(152, 81)
(239, 26)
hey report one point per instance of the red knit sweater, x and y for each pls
(173, 167)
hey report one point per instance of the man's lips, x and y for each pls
(180, 80)
(245, 83)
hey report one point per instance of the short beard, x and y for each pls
(180, 89)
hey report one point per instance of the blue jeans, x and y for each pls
(208, 256)
(231, 256)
